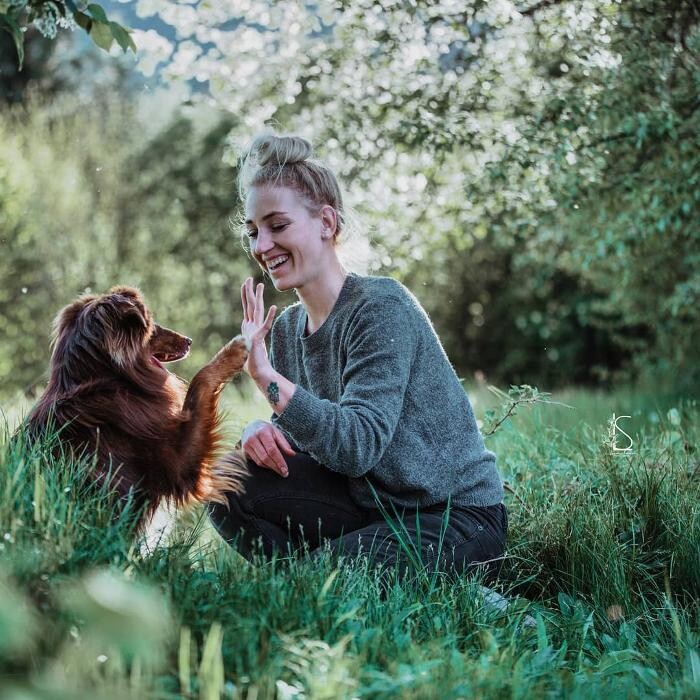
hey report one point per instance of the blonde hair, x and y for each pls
(289, 161)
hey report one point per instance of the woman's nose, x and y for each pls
(263, 243)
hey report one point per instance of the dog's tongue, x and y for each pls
(156, 362)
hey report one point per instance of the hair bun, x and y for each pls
(270, 149)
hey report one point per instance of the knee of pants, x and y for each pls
(228, 519)
(238, 515)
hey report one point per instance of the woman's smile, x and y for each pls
(275, 265)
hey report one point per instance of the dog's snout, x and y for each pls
(188, 341)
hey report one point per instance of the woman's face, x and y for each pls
(287, 242)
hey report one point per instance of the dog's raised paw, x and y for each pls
(231, 358)
(242, 343)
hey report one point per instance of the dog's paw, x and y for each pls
(241, 343)
(231, 358)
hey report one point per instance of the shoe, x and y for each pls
(501, 603)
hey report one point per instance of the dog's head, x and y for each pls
(113, 331)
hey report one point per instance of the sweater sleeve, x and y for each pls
(271, 357)
(351, 436)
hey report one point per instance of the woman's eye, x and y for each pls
(279, 227)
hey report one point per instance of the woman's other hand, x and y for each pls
(264, 443)
(255, 327)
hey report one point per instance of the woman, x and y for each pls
(369, 418)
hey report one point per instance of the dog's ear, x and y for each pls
(130, 305)
(123, 325)
(66, 318)
(67, 340)
(121, 312)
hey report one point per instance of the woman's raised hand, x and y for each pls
(255, 326)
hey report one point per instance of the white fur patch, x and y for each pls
(158, 528)
(119, 357)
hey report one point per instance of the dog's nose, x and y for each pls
(188, 341)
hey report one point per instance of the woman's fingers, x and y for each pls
(270, 317)
(254, 306)
(283, 443)
(274, 456)
(256, 452)
(243, 303)
(261, 448)
(265, 328)
(259, 304)
(251, 448)
(250, 298)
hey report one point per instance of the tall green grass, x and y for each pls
(603, 552)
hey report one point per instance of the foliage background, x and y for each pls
(530, 171)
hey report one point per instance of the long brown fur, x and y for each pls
(109, 393)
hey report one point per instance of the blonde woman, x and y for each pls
(368, 415)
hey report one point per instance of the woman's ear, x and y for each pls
(328, 221)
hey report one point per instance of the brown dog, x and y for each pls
(109, 393)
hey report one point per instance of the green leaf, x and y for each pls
(9, 25)
(102, 35)
(97, 13)
(82, 20)
(692, 666)
(122, 36)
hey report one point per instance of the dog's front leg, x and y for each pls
(200, 435)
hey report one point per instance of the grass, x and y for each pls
(603, 553)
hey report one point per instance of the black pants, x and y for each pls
(312, 504)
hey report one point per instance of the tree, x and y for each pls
(50, 15)
(530, 170)
(563, 133)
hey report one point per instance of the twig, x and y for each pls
(508, 487)
(524, 394)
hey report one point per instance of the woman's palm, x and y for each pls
(255, 326)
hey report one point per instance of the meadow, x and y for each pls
(602, 575)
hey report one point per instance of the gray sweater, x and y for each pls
(378, 400)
